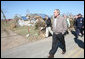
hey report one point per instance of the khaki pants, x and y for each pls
(48, 29)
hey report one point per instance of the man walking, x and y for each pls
(59, 28)
(79, 25)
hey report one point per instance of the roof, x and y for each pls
(24, 18)
(42, 15)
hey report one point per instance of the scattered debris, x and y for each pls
(27, 35)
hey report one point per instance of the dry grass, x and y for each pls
(35, 34)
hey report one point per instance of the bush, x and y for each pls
(39, 23)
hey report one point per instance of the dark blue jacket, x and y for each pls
(48, 22)
(79, 22)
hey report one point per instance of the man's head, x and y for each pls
(46, 17)
(56, 12)
(79, 15)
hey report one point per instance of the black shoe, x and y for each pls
(63, 52)
(51, 56)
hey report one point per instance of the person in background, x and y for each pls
(68, 23)
(79, 23)
(75, 18)
(48, 26)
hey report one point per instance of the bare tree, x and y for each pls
(28, 15)
(3, 24)
(3, 15)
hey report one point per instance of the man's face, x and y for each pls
(79, 16)
(56, 13)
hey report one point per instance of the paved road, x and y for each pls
(40, 49)
(10, 39)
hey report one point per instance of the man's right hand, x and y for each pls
(45, 25)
